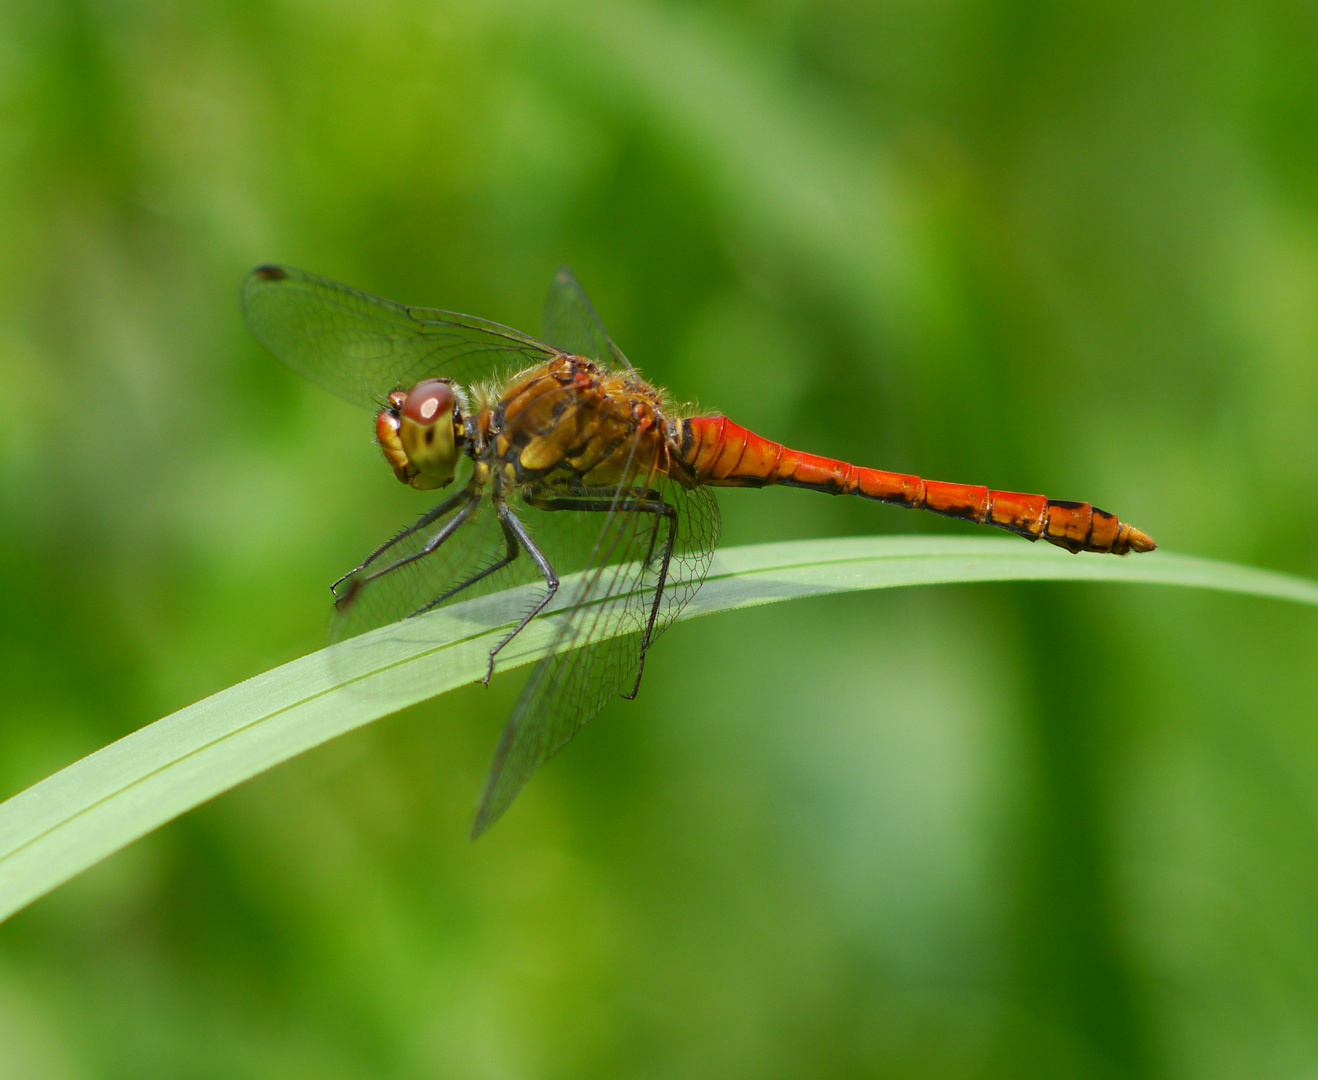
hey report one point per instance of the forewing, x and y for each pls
(569, 687)
(361, 347)
(572, 325)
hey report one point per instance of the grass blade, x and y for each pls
(73, 819)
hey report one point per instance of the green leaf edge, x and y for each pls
(71, 820)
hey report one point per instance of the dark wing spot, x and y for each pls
(269, 273)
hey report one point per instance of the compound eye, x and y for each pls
(427, 433)
(428, 401)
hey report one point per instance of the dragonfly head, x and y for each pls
(420, 432)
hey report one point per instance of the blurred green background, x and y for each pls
(1025, 831)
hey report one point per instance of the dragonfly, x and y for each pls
(557, 455)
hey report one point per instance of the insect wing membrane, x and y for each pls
(572, 325)
(569, 687)
(361, 347)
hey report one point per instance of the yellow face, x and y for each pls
(419, 434)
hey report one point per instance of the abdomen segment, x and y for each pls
(725, 454)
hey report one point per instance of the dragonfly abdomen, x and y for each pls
(723, 453)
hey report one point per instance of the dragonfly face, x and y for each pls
(421, 433)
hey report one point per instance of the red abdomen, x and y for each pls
(725, 454)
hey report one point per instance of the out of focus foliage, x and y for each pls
(1019, 831)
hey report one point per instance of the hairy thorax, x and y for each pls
(567, 424)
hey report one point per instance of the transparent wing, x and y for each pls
(572, 325)
(568, 688)
(361, 347)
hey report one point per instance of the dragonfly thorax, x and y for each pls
(421, 433)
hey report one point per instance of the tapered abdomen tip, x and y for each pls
(1138, 541)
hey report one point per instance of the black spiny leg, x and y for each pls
(670, 512)
(449, 528)
(654, 506)
(511, 551)
(512, 525)
(429, 516)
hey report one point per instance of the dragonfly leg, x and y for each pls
(518, 531)
(650, 505)
(449, 528)
(670, 512)
(425, 519)
(511, 551)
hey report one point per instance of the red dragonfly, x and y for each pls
(561, 456)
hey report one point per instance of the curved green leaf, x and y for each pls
(73, 819)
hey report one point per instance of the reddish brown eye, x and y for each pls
(428, 401)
